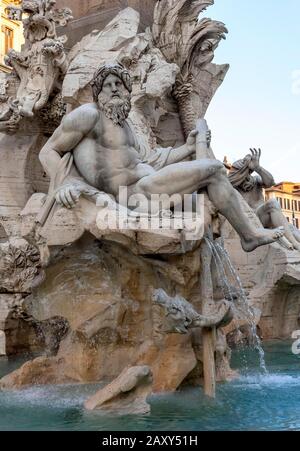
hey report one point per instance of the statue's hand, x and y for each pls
(68, 196)
(191, 142)
(8, 127)
(255, 159)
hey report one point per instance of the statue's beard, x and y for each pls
(117, 109)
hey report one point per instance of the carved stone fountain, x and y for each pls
(145, 309)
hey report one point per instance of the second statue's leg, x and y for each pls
(296, 233)
(188, 177)
(240, 215)
(271, 215)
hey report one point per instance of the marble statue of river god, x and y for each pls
(104, 155)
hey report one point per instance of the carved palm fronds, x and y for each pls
(174, 25)
(191, 44)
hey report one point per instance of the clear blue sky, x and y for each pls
(258, 104)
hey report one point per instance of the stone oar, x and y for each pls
(63, 170)
(203, 150)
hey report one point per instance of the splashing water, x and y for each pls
(245, 306)
(223, 262)
(224, 284)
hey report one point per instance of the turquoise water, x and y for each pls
(253, 402)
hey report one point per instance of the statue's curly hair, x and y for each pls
(110, 69)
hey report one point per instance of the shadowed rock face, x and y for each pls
(21, 333)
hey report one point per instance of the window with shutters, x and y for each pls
(8, 39)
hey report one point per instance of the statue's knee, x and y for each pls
(143, 187)
(217, 168)
(273, 205)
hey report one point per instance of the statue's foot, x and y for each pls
(284, 242)
(296, 247)
(262, 237)
(291, 245)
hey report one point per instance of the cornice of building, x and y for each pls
(280, 191)
(280, 188)
(4, 68)
(11, 2)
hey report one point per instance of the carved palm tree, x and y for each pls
(190, 43)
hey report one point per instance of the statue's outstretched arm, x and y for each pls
(165, 157)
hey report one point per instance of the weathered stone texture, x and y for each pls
(18, 335)
(92, 15)
(105, 293)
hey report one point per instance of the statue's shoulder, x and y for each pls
(83, 117)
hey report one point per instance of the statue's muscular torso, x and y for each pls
(107, 157)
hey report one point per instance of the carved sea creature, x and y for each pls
(181, 315)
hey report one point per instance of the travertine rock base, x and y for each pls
(105, 294)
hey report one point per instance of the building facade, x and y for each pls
(288, 195)
(11, 33)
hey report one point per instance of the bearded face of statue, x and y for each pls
(115, 100)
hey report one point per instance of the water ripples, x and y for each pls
(255, 401)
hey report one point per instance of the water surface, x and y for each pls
(254, 402)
